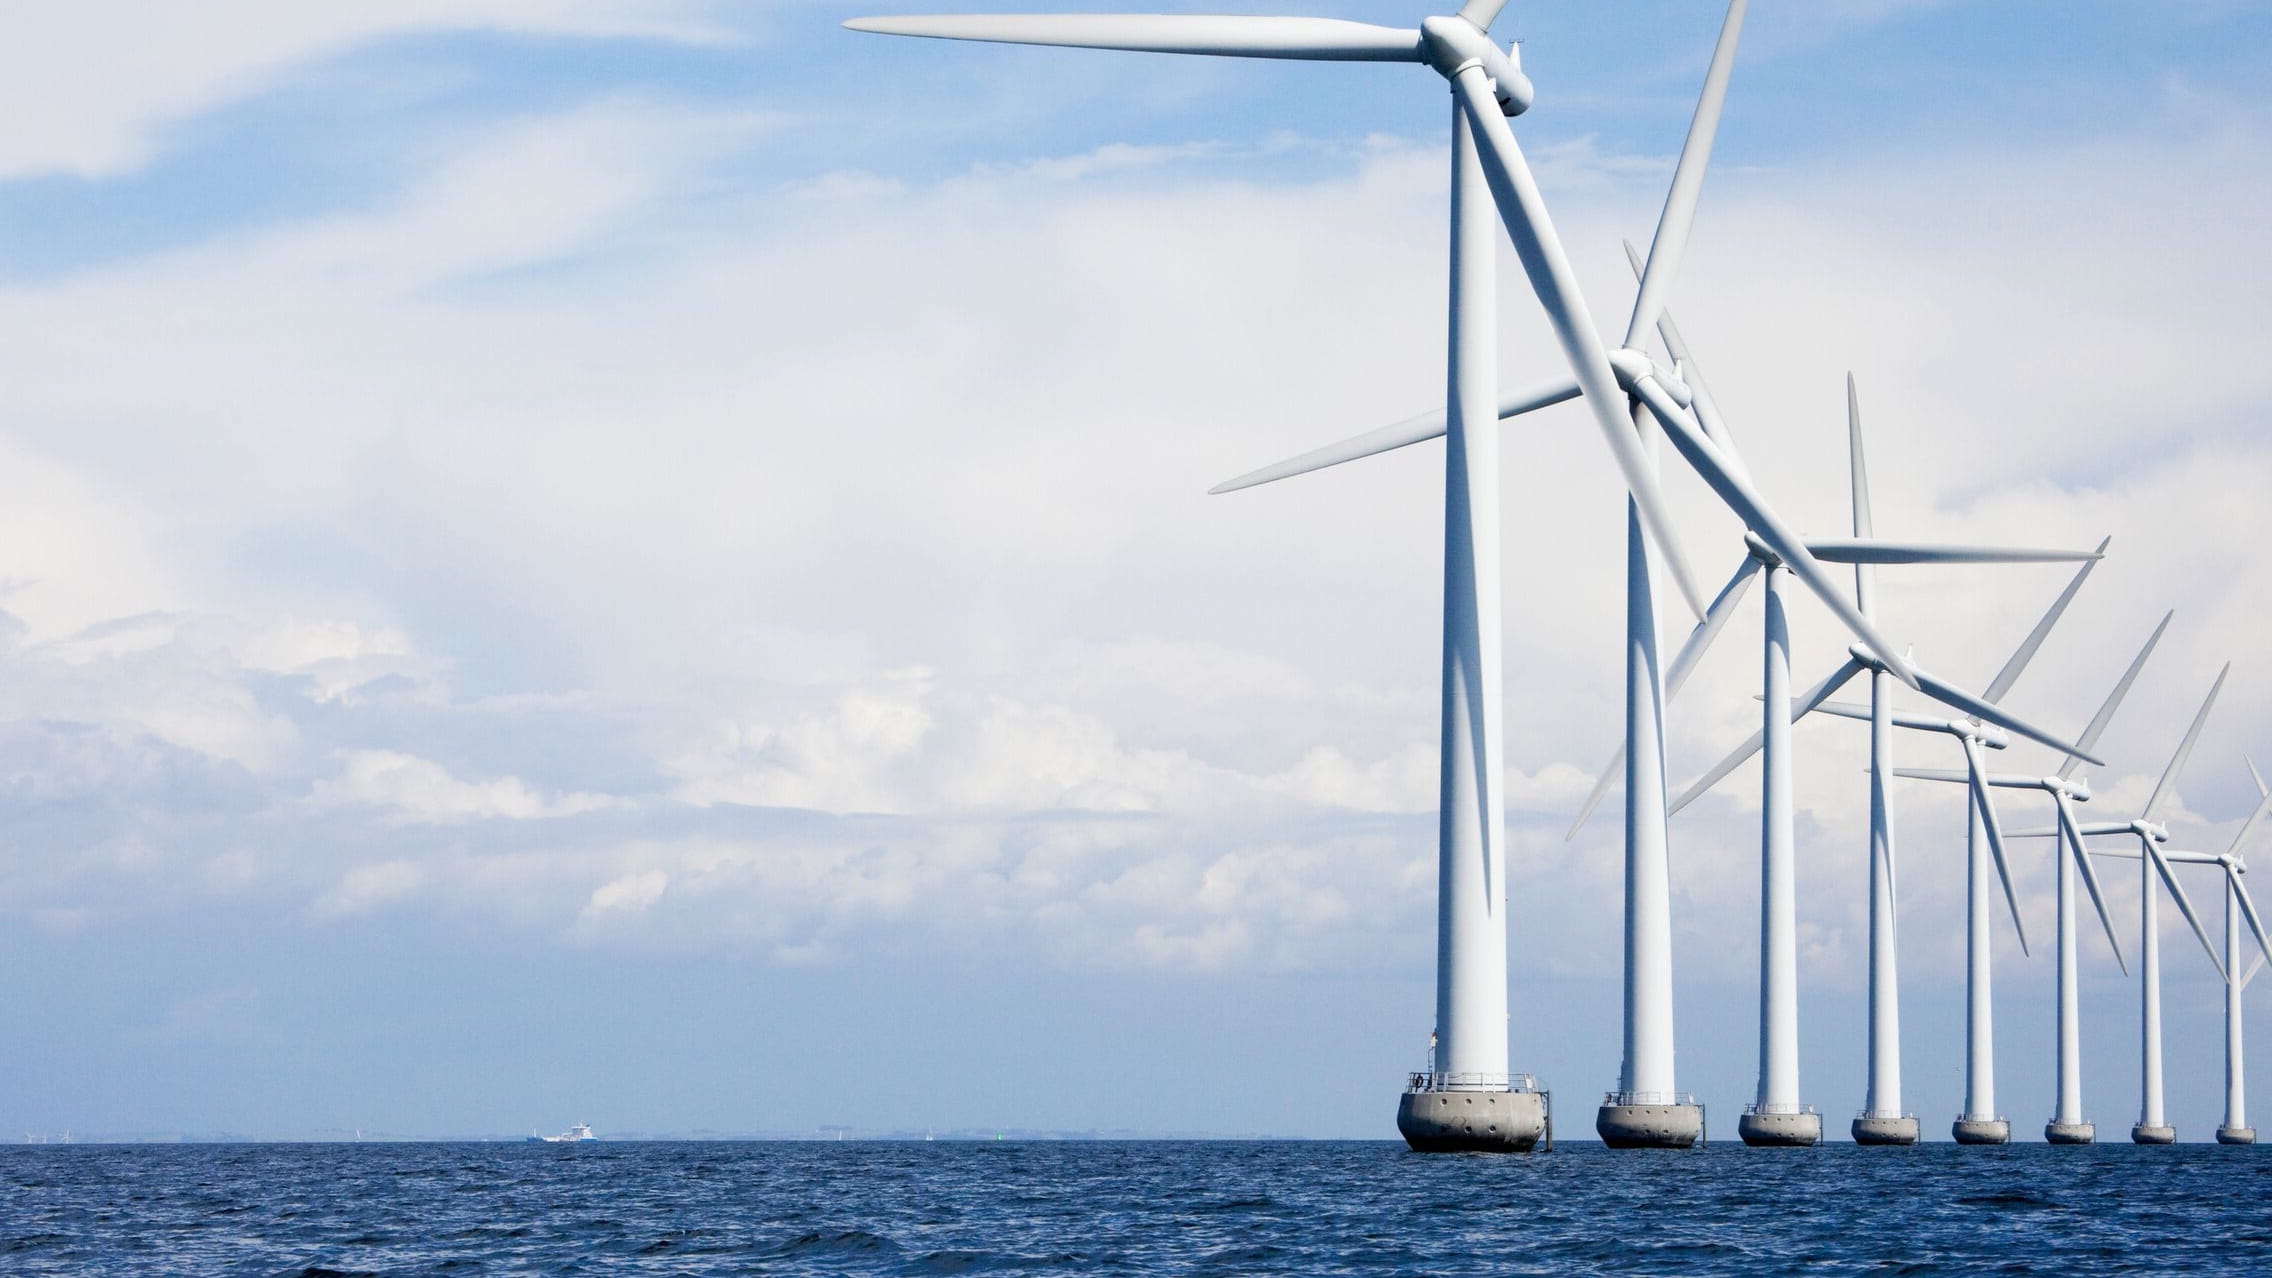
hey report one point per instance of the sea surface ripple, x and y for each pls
(1139, 1208)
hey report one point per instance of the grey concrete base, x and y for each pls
(2059, 1133)
(2236, 1135)
(1891, 1129)
(1779, 1129)
(1472, 1122)
(1650, 1126)
(2141, 1134)
(1982, 1131)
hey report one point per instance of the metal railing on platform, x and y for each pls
(1423, 1082)
(1780, 1109)
(1648, 1098)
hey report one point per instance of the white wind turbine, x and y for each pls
(1979, 1123)
(2235, 1129)
(1882, 1120)
(2152, 1127)
(2067, 1125)
(1488, 168)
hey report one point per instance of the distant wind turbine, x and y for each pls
(2235, 1129)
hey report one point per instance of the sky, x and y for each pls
(649, 563)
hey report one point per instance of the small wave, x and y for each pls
(953, 1262)
(1238, 1204)
(848, 1242)
(2005, 1199)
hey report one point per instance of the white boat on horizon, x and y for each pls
(581, 1131)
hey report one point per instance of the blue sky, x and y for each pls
(647, 563)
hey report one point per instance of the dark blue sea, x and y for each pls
(1133, 1208)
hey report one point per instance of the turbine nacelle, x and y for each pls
(1633, 368)
(1453, 44)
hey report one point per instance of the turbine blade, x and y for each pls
(1523, 211)
(2074, 841)
(1844, 710)
(1679, 213)
(1482, 12)
(1985, 805)
(2257, 777)
(1933, 774)
(2025, 653)
(2114, 699)
(1801, 706)
(1602, 782)
(2163, 787)
(2184, 903)
(1858, 475)
(1854, 550)
(1305, 39)
(2248, 827)
(1733, 489)
(1412, 430)
(1707, 411)
(1715, 619)
(1949, 694)
(1699, 640)
(2248, 911)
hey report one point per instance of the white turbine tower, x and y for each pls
(1466, 1100)
(2152, 1127)
(1882, 1120)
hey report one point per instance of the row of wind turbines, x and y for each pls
(1468, 1098)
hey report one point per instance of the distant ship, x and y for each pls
(581, 1131)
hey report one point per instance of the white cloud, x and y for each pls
(420, 790)
(632, 894)
(370, 887)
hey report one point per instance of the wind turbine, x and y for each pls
(2235, 1129)
(1882, 1120)
(2152, 1127)
(1489, 170)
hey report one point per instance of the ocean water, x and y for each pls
(1128, 1208)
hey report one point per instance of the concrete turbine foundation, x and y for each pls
(1885, 1129)
(2153, 1134)
(2059, 1133)
(1780, 1129)
(1635, 1121)
(2236, 1135)
(1503, 1121)
(1982, 1131)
